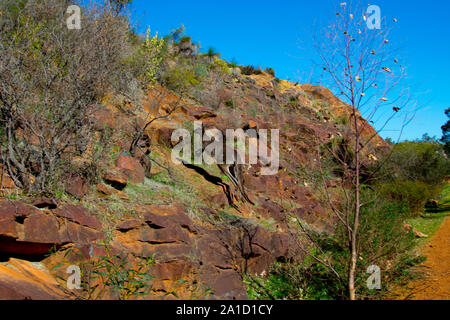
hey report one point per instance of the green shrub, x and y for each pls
(382, 241)
(52, 78)
(114, 273)
(249, 70)
(419, 160)
(282, 283)
(219, 66)
(183, 76)
(270, 71)
(414, 194)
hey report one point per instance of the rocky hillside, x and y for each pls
(177, 215)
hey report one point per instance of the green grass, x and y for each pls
(444, 202)
(432, 219)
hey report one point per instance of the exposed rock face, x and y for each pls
(131, 168)
(26, 230)
(116, 179)
(190, 239)
(77, 186)
(22, 280)
(216, 258)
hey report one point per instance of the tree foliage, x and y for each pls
(52, 78)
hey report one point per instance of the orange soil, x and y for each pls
(436, 284)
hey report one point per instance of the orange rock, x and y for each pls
(252, 124)
(104, 189)
(6, 181)
(22, 280)
(116, 179)
(77, 186)
(131, 168)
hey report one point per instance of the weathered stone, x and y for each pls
(105, 190)
(77, 186)
(44, 202)
(75, 233)
(116, 179)
(41, 228)
(78, 214)
(16, 209)
(165, 216)
(172, 269)
(22, 280)
(170, 234)
(131, 167)
(214, 252)
(225, 284)
(129, 224)
(29, 231)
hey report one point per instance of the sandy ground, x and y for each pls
(436, 284)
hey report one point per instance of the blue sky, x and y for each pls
(277, 34)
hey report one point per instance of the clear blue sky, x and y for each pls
(277, 34)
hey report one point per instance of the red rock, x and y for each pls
(170, 234)
(164, 136)
(166, 216)
(75, 233)
(78, 214)
(280, 245)
(21, 280)
(8, 228)
(215, 253)
(77, 186)
(129, 224)
(102, 118)
(41, 228)
(30, 231)
(116, 179)
(6, 182)
(131, 167)
(16, 209)
(172, 270)
(104, 189)
(225, 285)
(271, 210)
(44, 202)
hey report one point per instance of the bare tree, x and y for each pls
(361, 67)
(50, 77)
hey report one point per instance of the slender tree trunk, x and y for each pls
(354, 233)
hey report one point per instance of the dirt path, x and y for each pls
(436, 284)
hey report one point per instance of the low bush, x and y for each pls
(183, 76)
(249, 70)
(383, 242)
(412, 193)
(270, 71)
(422, 160)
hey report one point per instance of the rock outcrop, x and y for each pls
(181, 216)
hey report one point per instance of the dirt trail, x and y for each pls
(436, 284)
